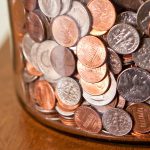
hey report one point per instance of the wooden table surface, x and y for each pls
(18, 131)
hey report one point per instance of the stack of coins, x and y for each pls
(87, 63)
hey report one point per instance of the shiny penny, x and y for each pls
(141, 115)
(103, 14)
(62, 61)
(91, 52)
(81, 15)
(88, 119)
(44, 95)
(92, 75)
(132, 83)
(123, 38)
(65, 31)
(117, 122)
(51, 8)
(96, 88)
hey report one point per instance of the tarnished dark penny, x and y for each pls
(65, 31)
(91, 51)
(103, 14)
(92, 75)
(128, 17)
(123, 38)
(68, 91)
(114, 62)
(81, 15)
(30, 5)
(88, 119)
(35, 27)
(142, 56)
(133, 85)
(143, 17)
(141, 116)
(130, 4)
(62, 61)
(51, 8)
(44, 94)
(117, 122)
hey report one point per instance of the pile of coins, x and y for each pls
(87, 63)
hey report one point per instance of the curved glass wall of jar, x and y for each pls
(74, 62)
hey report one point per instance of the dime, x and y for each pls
(66, 5)
(117, 122)
(114, 62)
(30, 5)
(44, 95)
(96, 88)
(91, 52)
(31, 70)
(143, 17)
(141, 115)
(105, 98)
(128, 17)
(27, 44)
(65, 31)
(35, 27)
(84, 1)
(103, 109)
(43, 59)
(123, 38)
(92, 75)
(51, 8)
(132, 83)
(62, 61)
(103, 14)
(142, 56)
(68, 91)
(88, 119)
(80, 14)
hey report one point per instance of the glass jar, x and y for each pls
(64, 75)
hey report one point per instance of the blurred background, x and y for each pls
(4, 23)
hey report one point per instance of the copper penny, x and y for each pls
(44, 94)
(97, 33)
(30, 5)
(35, 27)
(88, 119)
(65, 31)
(121, 102)
(117, 122)
(32, 70)
(141, 115)
(96, 88)
(103, 13)
(63, 61)
(91, 52)
(92, 75)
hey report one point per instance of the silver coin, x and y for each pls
(80, 14)
(28, 78)
(27, 44)
(142, 56)
(123, 38)
(51, 8)
(66, 5)
(117, 122)
(68, 91)
(43, 59)
(34, 50)
(64, 113)
(104, 99)
(84, 1)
